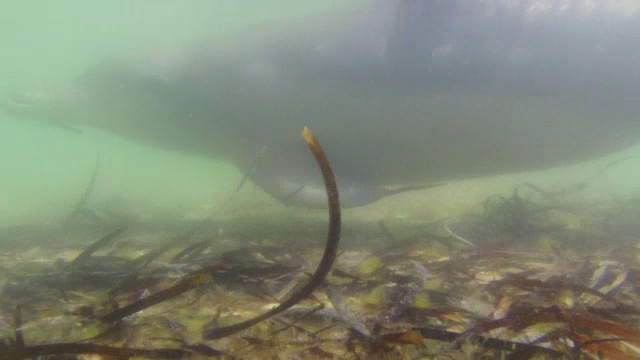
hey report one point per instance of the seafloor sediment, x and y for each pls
(520, 276)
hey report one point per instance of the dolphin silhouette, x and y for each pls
(401, 92)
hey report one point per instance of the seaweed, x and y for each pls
(577, 187)
(104, 241)
(86, 269)
(391, 297)
(457, 339)
(96, 349)
(328, 257)
(506, 219)
(19, 350)
(81, 205)
(187, 283)
(190, 252)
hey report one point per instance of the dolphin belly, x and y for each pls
(399, 91)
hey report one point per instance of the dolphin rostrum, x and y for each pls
(401, 92)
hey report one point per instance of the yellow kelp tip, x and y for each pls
(309, 137)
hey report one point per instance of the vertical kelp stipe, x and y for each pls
(330, 251)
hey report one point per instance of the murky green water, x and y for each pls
(410, 269)
(45, 169)
(50, 42)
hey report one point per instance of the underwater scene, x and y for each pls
(346, 179)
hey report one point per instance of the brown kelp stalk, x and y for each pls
(187, 283)
(330, 251)
(30, 352)
(105, 240)
(21, 351)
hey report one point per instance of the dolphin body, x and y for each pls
(398, 91)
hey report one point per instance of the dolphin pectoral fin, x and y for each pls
(44, 105)
(12, 106)
(16, 109)
(251, 170)
(65, 127)
(247, 174)
(457, 236)
(388, 192)
(288, 198)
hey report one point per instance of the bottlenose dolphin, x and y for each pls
(400, 92)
